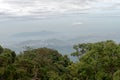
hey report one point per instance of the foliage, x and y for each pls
(96, 61)
(100, 61)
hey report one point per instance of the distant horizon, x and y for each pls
(67, 21)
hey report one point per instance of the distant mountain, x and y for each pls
(31, 34)
(64, 47)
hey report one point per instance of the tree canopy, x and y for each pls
(96, 61)
(100, 61)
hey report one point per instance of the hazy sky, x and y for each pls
(85, 16)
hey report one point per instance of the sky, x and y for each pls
(73, 17)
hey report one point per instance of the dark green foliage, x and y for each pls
(7, 68)
(96, 61)
(1, 49)
(100, 61)
(43, 61)
(116, 75)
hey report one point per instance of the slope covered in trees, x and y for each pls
(96, 61)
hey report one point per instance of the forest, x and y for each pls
(95, 61)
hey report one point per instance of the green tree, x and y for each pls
(1, 49)
(7, 69)
(99, 61)
(116, 75)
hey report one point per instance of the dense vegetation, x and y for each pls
(96, 61)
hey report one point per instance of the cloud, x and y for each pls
(77, 23)
(107, 5)
(43, 8)
(39, 7)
